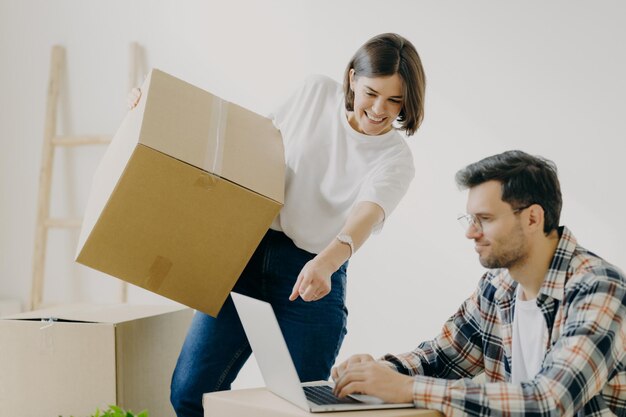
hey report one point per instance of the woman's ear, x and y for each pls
(352, 79)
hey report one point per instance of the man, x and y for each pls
(546, 325)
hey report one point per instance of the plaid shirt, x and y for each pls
(583, 300)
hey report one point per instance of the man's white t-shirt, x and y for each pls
(530, 334)
(331, 167)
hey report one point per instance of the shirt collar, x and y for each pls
(554, 282)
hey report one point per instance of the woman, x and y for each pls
(347, 169)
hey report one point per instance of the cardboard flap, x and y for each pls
(254, 154)
(196, 127)
(90, 313)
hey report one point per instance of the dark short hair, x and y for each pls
(525, 179)
(385, 55)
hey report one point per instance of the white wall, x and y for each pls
(545, 77)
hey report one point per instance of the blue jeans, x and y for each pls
(216, 349)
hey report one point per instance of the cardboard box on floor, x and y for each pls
(92, 356)
(184, 194)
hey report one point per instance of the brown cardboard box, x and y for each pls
(184, 194)
(92, 356)
(259, 402)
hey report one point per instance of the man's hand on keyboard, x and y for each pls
(361, 374)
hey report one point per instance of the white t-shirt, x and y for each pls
(530, 334)
(331, 167)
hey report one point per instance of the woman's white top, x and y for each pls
(530, 334)
(331, 167)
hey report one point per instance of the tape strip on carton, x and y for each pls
(46, 340)
(217, 136)
(158, 271)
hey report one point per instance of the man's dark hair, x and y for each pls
(525, 179)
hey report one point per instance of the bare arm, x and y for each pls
(313, 281)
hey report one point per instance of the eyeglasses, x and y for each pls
(470, 220)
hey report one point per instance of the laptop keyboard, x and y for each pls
(323, 394)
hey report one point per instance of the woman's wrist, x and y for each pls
(334, 255)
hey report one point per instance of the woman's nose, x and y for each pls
(379, 106)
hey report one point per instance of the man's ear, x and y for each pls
(535, 217)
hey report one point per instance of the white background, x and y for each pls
(544, 77)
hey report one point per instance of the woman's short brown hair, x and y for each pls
(385, 55)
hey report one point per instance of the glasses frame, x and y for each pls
(468, 221)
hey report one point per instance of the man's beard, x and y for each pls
(512, 251)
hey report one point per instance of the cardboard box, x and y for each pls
(91, 356)
(259, 402)
(184, 194)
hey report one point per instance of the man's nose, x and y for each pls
(473, 231)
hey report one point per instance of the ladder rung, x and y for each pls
(81, 140)
(63, 223)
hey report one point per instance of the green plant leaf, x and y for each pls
(115, 411)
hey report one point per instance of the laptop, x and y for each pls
(278, 370)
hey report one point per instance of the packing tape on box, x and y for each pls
(215, 149)
(156, 274)
(46, 340)
(49, 321)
